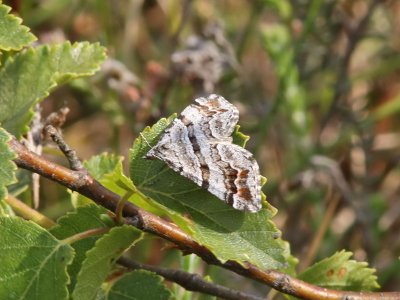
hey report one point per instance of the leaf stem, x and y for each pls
(83, 235)
(120, 207)
(29, 213)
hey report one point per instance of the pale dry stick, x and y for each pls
(35, 139)
(83, 183)
(34, 142)
(332, 167)
(353, 199)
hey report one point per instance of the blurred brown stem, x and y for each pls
(81, 182)
(341, 87)
(318, 238)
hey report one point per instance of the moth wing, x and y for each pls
(214, 114)
(175, 149)
(235, 177)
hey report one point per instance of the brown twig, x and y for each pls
(190, 281)
(69, 153)
(57, 118)
(83, 183)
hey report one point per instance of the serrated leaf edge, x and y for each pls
(23, 29)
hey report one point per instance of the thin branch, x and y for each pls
(190, 281)
(81, 182)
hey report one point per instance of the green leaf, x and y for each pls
(230, 234)
(29, 76)
(13, 35)
(340, 273)
(84, 218)
(33, 263)
(7, 166)
(120, 184)
(139, 285)
(101, 258)
(102, 164)
(108, 170)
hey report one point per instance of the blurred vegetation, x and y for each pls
(316, 82)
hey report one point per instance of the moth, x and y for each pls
(198, 145)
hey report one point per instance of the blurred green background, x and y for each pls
(317, 84)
